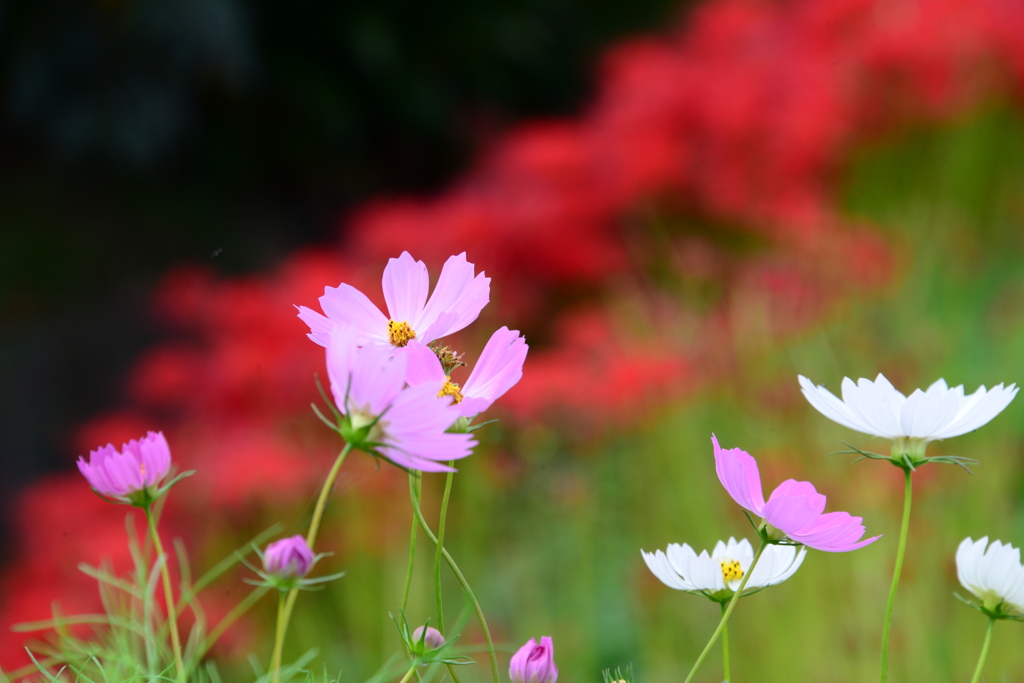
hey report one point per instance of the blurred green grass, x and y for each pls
(557, 552)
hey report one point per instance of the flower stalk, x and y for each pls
(288, 604)
(172, 620)
(727, 613)
(725, 649)
(984, 650)
(461, 579)
(900, 550)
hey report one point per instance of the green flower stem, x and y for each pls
(984, 651)
(727, 613)
(462, 581)
(440, 546)
(285, 614)
(172, 620)
(437, 560)
(408, 673)
(901, 548)
(282, 626)
(414, 481)
(725, 648)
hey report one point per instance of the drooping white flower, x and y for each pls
(995, 576)
(718, 575)
(877, 408)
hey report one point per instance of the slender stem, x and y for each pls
(465, 587)
(412, 545)
(725, 648)
(727, 613)
(409, 672)
(904, 527)
(984, 651)
(168, 596)
(314, 526)
(440, 545)
(325, 492)
(282, 626)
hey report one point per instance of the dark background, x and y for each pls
(141, 134)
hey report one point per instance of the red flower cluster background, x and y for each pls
(691, 206)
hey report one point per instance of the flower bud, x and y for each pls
(534, 663)
(288, 558)
(431, 641)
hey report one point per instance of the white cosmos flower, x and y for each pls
(877, 408)
(718, 575)
(995, 576)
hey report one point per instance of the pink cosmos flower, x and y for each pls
(140, 467)
(288, 558)
(456, 301)
(499, 368)
(794, 508)
(534, 663)
(405, 425)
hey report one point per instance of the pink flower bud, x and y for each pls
(534, 663)
(431, 641)
(288, 558)
(140, 466)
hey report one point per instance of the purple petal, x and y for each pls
(737, 470)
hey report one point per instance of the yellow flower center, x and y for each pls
(399, 333)
(452, 389)
(142, 469)
(731, 570)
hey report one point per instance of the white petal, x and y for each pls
(875, 405)
(659, 566)
(826, 403)
(926, 413)
(980, 411)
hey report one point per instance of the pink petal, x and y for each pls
(835, 532)
(793, 506)
(457, 292)
(499, 368)
(377, 378)
(737, 470)
(405, 288)
(346, 304)
(320, 327)
(423, 364)
(341, 359)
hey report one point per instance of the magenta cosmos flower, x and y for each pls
(794, 508)
(455, 303)
(534, 663)
(406, 425)
(499, 368)
(288, 558)
(133, 475)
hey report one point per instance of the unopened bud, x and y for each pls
(534, 663)
(431, 640)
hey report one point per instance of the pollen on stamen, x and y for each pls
(399, 333)
(452, 389)
(731, 570)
